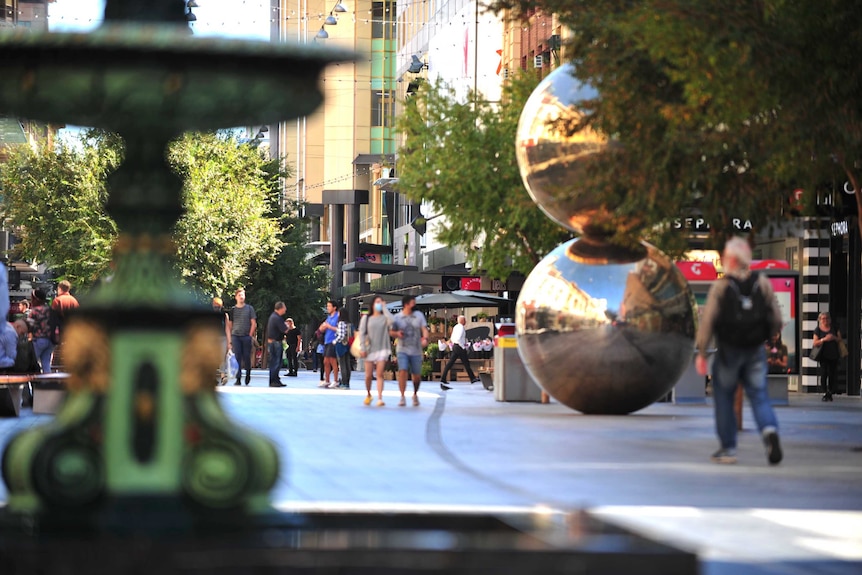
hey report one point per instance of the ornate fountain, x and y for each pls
(142, 423)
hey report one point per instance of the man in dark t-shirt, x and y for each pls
(242, 325)
(275, 330)
(294, 344)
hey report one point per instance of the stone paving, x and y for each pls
(650, 471)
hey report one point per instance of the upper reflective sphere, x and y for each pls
(554, 149)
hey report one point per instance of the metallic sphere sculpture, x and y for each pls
(603, 328)
(555, 148)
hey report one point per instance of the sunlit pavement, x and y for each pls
(650, 471)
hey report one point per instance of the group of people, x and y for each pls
(375, 333)
(240, 327)
(33, 328)
(332, 341)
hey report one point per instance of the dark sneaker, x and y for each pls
(277, 384)
(445, 387)
(724, 456)
(773, 447)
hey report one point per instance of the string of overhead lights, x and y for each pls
(307, 17)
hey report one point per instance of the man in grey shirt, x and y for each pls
(411, 329)
(242, 325)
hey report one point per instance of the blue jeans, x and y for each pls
(274, 350)
(43, 348)
(241, 345)
(747, 366)
(409, 363)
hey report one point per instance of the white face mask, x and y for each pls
(378, 306)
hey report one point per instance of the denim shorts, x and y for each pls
(410, 363)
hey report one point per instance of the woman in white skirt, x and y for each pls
(375, 345)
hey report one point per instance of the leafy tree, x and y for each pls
(291, 277)
(721, 108)
(57, 198)
(226, 226)
(460, 155)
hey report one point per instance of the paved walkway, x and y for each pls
(650, 470)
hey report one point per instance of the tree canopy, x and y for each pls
(292, 277)
(56, 198)
(460, 155)
(722, 108)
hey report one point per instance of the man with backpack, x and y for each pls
(741, 313)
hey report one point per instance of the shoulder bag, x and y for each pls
(842, 349)
(815, 352)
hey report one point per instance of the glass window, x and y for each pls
(383, 20)
(382, 108)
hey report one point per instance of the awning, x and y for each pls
(368, 159)
(11, 132)
(697, 271)
(374, 268)
(769, 265)
(386, 184)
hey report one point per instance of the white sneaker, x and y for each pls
(333, 385)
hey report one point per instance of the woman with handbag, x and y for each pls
(827, 338)
(375, 345)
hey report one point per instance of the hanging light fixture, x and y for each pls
(190, 16)
(322, 34)
(331, 20)
(339, 8)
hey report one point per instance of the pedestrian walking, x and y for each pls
(375, 346)
(294, 344)
(242, 325)
(458, 339)
(329, 327)
(826, 337)
(411, 329)
(40, 320)
(344, 332)
(318, 352)
(741, 312)
(276, 329)
(218, 308)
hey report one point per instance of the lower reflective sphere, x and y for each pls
(605, 330)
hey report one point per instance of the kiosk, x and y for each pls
(783, 353)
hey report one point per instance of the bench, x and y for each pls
(49, 391)
(10, 393)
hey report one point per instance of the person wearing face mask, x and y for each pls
(375, 345)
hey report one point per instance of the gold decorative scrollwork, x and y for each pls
(202, 355)
(86, 356)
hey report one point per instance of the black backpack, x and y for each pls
(25, 357)
(743, 313)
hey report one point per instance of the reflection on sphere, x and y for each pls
(606, 335)
(554, 150)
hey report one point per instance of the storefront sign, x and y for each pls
(841, 228)
(700, 224)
